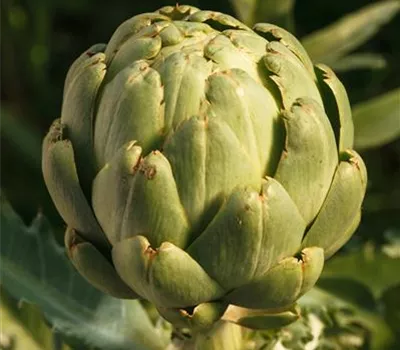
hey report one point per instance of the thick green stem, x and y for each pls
(222, 336)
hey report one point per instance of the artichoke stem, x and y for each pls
(222, 336)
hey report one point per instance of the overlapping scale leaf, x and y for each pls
(153, 207)
(210, 165)
(184, 78)
(272, 32)
(340, 213)
(337, 106)
(61, 178)
(226, 55)
(178, 12)
(193, 45)
(193, 29)
(282, 285)
(133, 50)
(250, 233)
(80, 62)
(148, 271)
(248, 42)
(261, 318)
(196, 36)
(202, 317)
(289, 74)
(171, 35)
(129, 28)
(217, 20)
(309, 159)
(95, 267)
(131, 108)
(251, 112)
(111, 189)
(78, 110)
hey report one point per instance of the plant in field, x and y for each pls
(199, 163)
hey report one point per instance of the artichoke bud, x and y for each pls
(204, 166)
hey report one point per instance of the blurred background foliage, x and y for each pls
(360, 39)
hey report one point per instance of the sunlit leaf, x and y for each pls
(330, 43)
(35, 268)
(279, 12)
(359, 61)
(377, 121)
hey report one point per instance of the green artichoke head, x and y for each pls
(199, 163)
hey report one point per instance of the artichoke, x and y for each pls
(201, 164)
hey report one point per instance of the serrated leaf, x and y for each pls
(336, 40)
(359, 61)
(377, 121)
(346, 325)
(279, 12)
(36, 269)
(24, 327)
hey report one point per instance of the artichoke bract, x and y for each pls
(200, 164)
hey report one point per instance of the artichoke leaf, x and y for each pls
(226, 55)
(309, 159)
(251, 112)
(78, 110)
(148, 271)
(129, 28)
(247, 42)
(201, 317)
(171, 35)
(111, 188)
(212, 163)
(267, 227)
(337, 106)
(283, 284)
(178, 12)
(340, 213)
(217, 20)
(262, 318)
(142, 48)
(272, 32)
(194, 29)
(183, 77)
(82, 62)
(153, 206)
(131, 108)
(94, 266)
(61, 178)
(288, 73)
